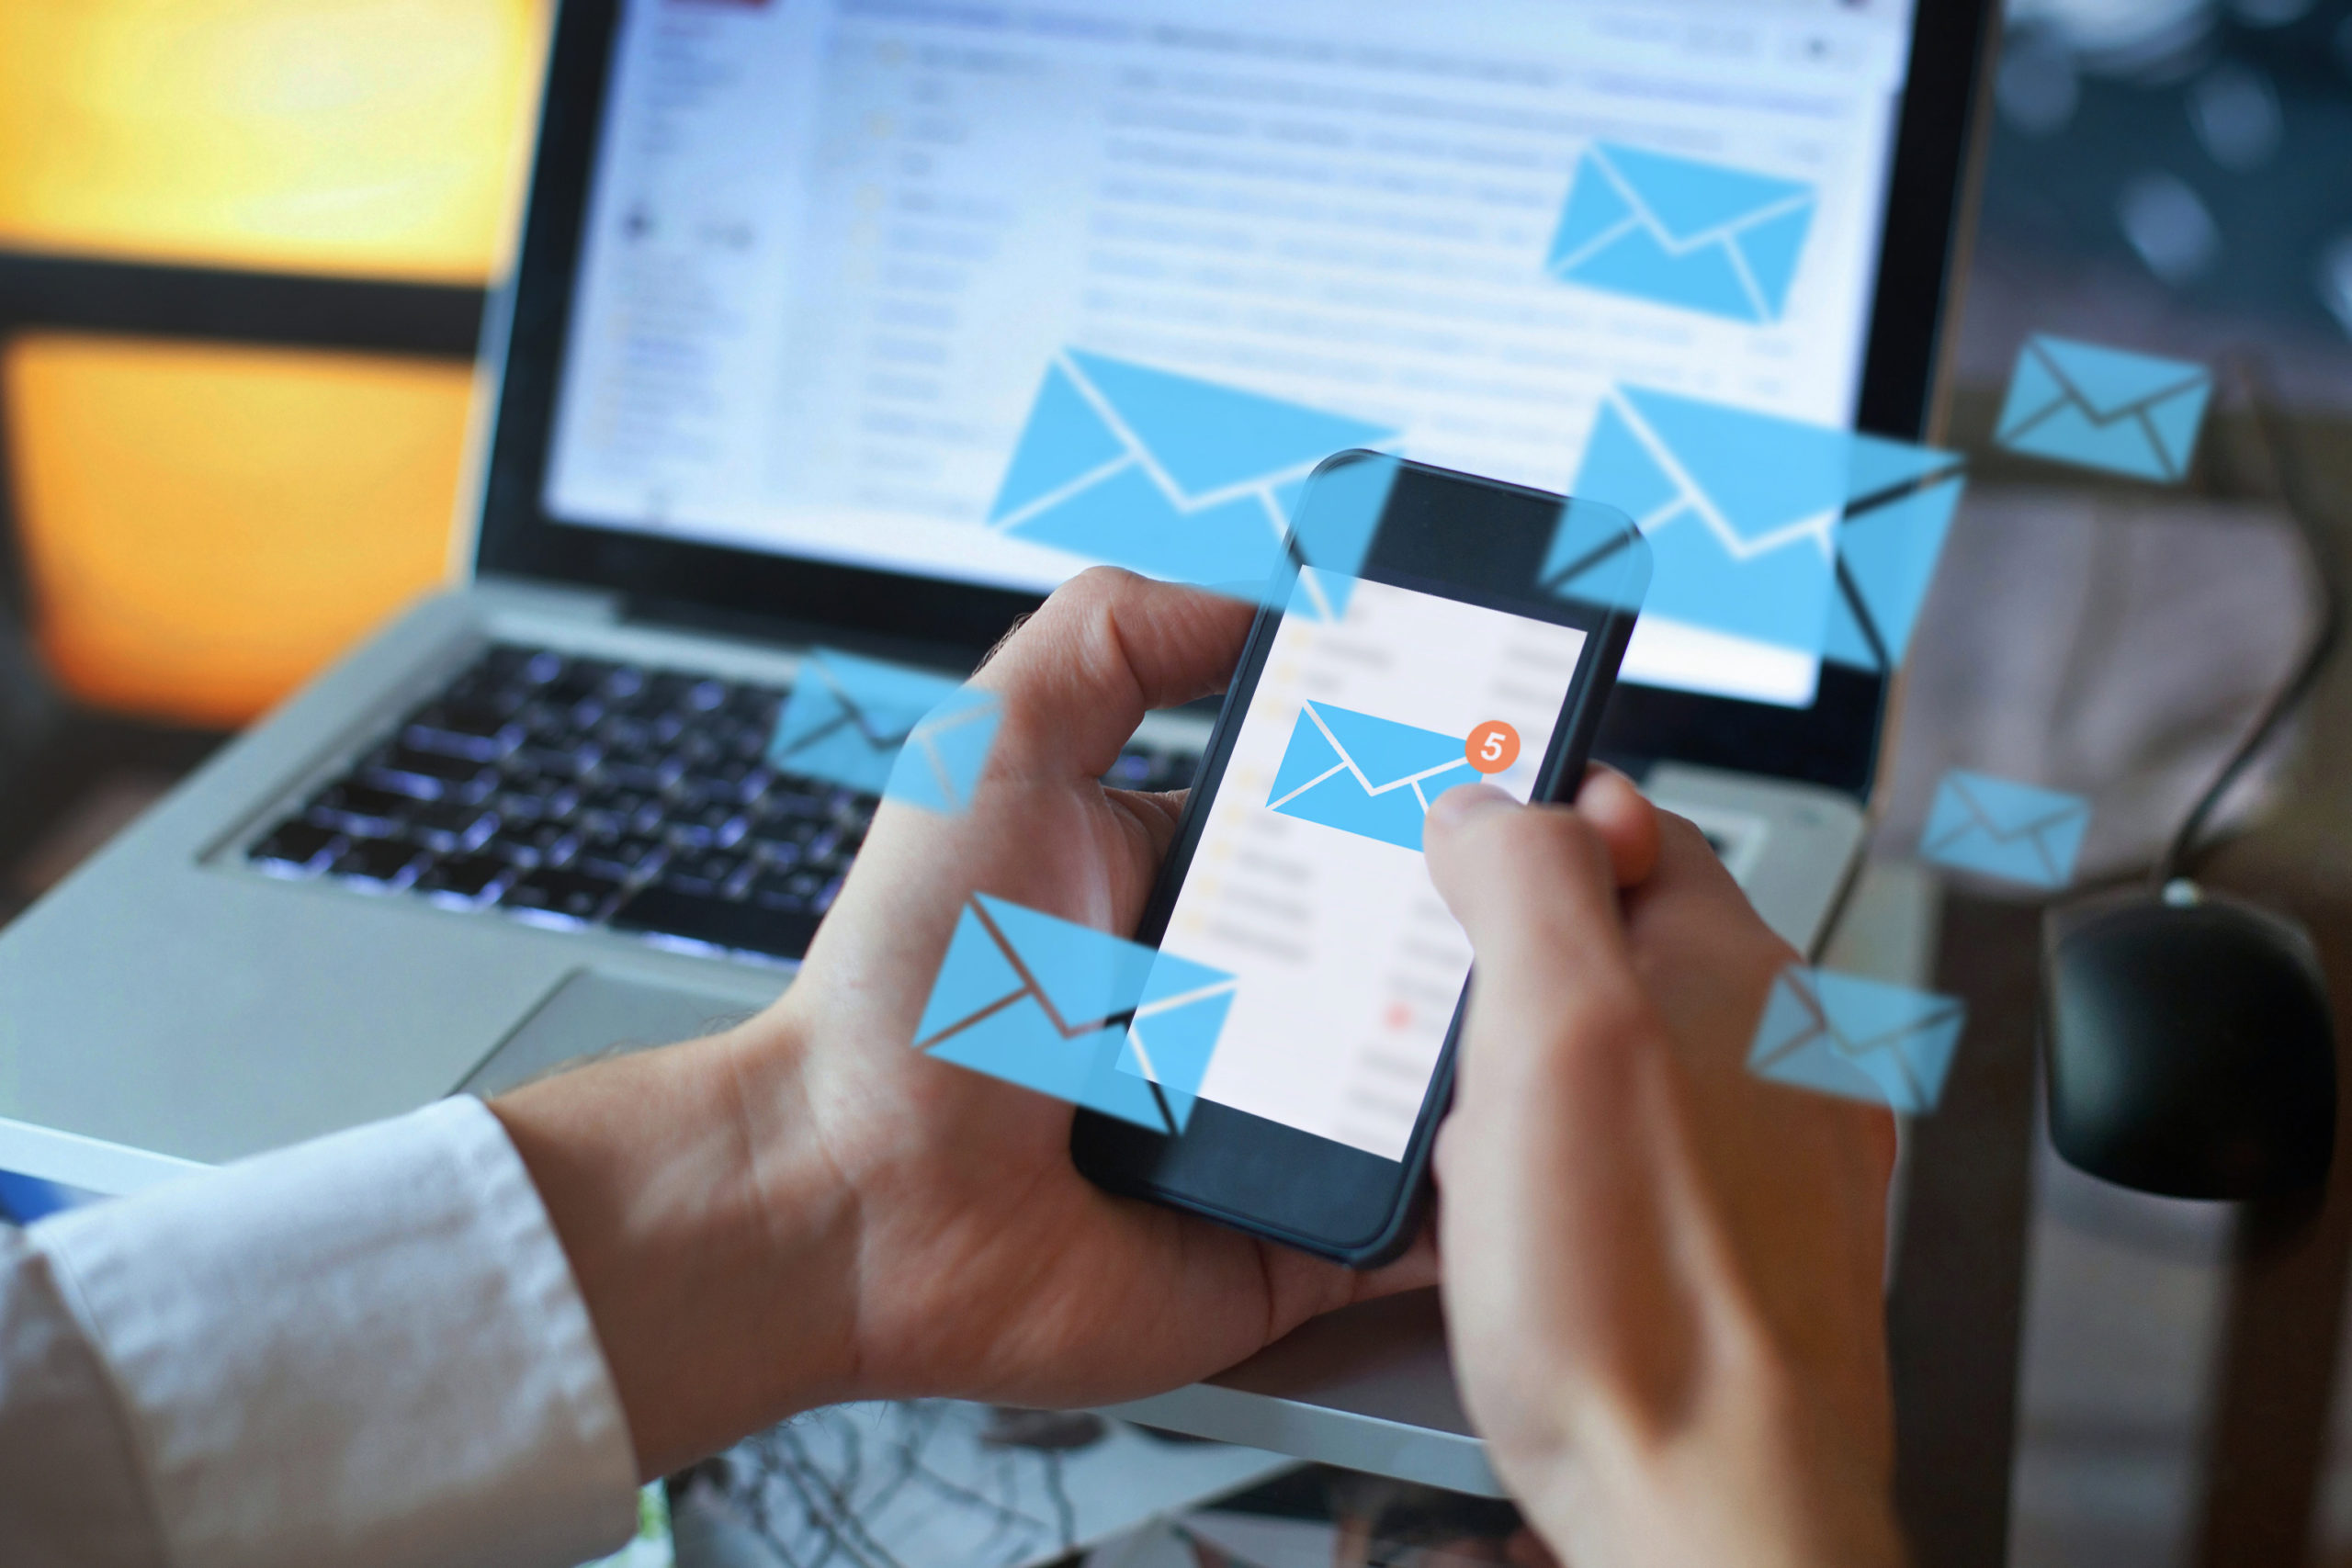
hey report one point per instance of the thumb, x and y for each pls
(1079, 675)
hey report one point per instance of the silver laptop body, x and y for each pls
(176, 1002)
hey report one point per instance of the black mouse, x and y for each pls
(2188, 1046)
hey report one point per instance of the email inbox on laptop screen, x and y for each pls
(976, 292)
(1309, 886)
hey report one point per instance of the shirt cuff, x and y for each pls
(366, 1351)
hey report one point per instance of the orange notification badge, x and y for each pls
(1492, 747)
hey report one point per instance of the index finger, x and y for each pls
(1535, 890)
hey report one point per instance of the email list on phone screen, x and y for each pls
(1307, 881)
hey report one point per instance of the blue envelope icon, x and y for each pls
(1859, 1039)
(1174, 1032)
(940, 765)
(1995, 828)
(1900, 500)
(1596, 555)
(847, 718)
(1054, 1006)
(1680, 231)
(1366, 775)
(2102, 407)
(1740, 510)
(1171, 476)
(1804, 535)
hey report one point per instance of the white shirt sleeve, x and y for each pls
(367, 1350)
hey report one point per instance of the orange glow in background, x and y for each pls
(204, 525)
(207, 526)
(370, 136)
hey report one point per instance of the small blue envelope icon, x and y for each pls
(1804, 535)
(1680, 231)
(1170, 475)
(1997, 827)
(2102, 407)
(848, 717)
(1859, 1039)
(1057, 1007)
(1366, 775)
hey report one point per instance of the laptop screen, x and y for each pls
(893, 284)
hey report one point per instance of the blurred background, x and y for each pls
(243, 249)
(244, 245)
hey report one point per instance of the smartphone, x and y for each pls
(1454, 653)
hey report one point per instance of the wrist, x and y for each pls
(1749, 1471)
(710, 1235)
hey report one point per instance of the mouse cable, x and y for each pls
(2293, 483)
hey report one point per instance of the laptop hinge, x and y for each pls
(538, 595)
(786, 632)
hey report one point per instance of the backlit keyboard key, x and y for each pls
(361, 808)
(379, 861)
(450, 827)
(427, 776)
(463, 877)
(573, 895)
(718, 922)
(295, 849)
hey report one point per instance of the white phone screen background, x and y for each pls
(1349, 964)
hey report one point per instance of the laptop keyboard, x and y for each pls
(578, 791)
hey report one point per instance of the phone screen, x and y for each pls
(1308, 883)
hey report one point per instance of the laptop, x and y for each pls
(792, 275)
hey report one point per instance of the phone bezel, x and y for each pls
(1310, 1192)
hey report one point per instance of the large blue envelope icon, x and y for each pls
(1680, 231)
(1170, 475)
(848, 717)
(1366, 775)
(1175, 1029)
(1860, 1039)
(1596, 555)
(1997, 827)
(1740, 510)
(1053, 1006)
(1804, 535)
(2102, 407)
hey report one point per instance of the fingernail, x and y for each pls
(1465, 801)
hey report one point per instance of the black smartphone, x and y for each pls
(1468, 645)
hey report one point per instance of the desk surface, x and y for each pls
(2177, 1398)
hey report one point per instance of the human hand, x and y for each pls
(1662, 1273)
(808, 1209)
(996, 1270)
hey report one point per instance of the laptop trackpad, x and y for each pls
(594, 1014)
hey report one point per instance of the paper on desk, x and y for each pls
(1214, 1538)
(939, 1484)
(1222, 1540)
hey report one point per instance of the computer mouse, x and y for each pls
(2188, 1045)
